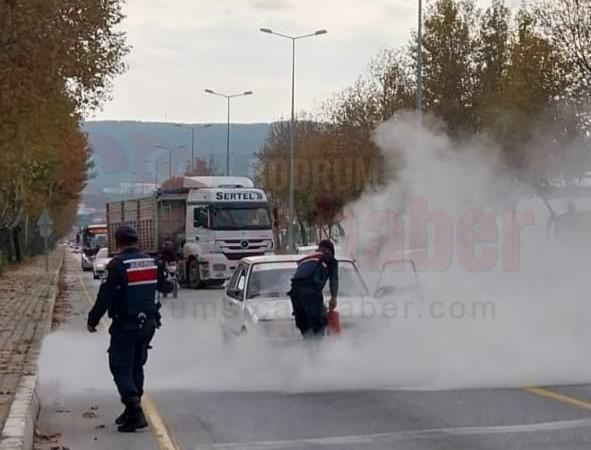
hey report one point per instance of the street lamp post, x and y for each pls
(292, 131)
(156, 165)
(228, 97)
(192, 128)
(170, 156)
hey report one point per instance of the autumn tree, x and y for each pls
(449, 67)
(57, 60)
(532, 87)
(568, 22)
(492, 59)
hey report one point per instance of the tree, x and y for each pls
(57, 60)
(532, 88)
(449, 68)
(492, 58)
(568, 22)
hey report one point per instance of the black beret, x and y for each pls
(126, 234)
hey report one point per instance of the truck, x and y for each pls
(92, 238)
(211, 222)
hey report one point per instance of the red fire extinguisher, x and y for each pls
(333, 323)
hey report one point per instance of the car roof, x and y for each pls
(281, 259)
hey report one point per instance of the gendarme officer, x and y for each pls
(128, 294)
(307, 284)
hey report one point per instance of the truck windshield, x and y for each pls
(240, 217)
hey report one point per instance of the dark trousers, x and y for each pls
(308, 309)
(128, 354)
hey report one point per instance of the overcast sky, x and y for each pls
(181, 47)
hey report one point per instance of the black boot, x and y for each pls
(134, 419)
(119, 420)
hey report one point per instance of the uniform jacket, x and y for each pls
(128, 288)
(317, 269)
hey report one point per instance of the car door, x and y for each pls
(398, 277)
(233, 303)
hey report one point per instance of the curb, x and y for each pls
(19, 429)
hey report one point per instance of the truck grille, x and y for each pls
(235, 249)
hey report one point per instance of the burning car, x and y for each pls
(256, 300)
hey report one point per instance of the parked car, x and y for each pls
(86, 260)
(256, 300)
(100, 263)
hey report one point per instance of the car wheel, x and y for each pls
(194, 275)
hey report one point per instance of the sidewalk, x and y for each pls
(27, 294)
(75, 388)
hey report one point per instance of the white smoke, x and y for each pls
(521, 320)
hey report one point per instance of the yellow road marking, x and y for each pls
(159, 428)
(584, 404)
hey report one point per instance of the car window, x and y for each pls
(400, 274)
(234, 279)
(350, 282)
(237, 283)
(270, 280)
(274, 280)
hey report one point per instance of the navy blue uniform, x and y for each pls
(306, 292)
(128, 294)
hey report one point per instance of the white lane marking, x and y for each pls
(399, 436)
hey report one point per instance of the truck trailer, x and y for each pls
(212, 223)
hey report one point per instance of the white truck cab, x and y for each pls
(227, 219)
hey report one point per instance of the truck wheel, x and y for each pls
(194, 275)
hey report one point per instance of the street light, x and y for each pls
(170, 149)
(188, 127)
(156, 165)
(228, 97)
(290, 228)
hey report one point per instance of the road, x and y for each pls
(203, 396)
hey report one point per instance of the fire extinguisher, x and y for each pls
(333, 323)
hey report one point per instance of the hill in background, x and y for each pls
(127, 152)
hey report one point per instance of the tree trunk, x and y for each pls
(12, 246)
(15, 246)
(303, 233)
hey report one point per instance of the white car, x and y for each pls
(309, 249)
(256, 301)
(100, 263)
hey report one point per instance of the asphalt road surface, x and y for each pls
(199, 399)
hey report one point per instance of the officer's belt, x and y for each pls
(128, 318)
